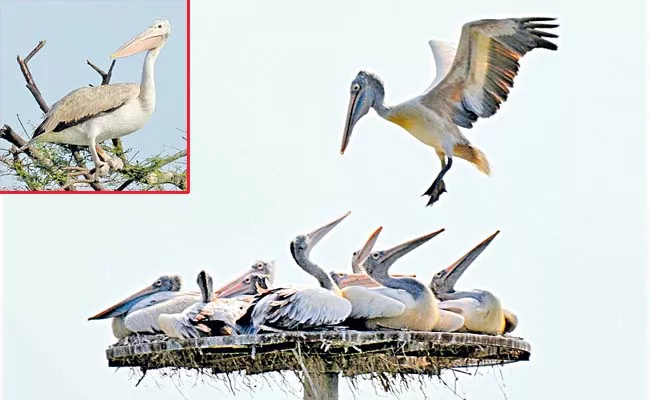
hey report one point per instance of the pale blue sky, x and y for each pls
(80, 30)
(271, 84)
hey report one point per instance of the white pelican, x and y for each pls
(90, 115)
(473, 86)
(481, 309)
(213, 315)
(295, 308)
(139, 312)
(365, 295)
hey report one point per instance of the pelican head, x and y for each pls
(245, 284)
(151, 38)
(301, 246)
(362, 254)
(445, 280)
(366, 91)
(204, 280)
(378, 263)
(265, 268)
(166, 283)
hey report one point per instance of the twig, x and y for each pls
(106, 76)
(31, 85)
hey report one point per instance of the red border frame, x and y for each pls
(187, 128)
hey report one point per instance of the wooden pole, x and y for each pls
(325, 385)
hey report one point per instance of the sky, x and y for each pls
(77, 31)
(269, 97)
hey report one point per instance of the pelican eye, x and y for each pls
(355, 87)
(355, 253)
(375, 255)
(160, 26)
(259, 265)
(247, 280)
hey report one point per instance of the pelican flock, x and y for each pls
(471, 82)
(90, 115)
(368, 298)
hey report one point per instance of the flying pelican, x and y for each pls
(361, 291)
(213, 315)
(139, 312)
(243, 284)
(91, 115)
(294, 308)
(481, 309)
(473, 86)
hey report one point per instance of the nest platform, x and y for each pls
(347, 352)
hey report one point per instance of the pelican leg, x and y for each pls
(115, 163)
(438, 186)
(101, 168)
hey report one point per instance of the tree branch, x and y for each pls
(31, 85)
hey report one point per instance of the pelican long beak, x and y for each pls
(316, 236)
(123, 306)
(455, 270)
(344, 280)
(367, 247)
(351, 120)
(147, 40)
(401, 250)
(236, 286)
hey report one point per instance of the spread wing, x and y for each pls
(485, 66)
(370, 303)
(82, 104)
(290, 308)
(443, 55)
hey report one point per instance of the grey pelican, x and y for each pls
(291, 308)
(90, 115)
(359, 288)
(475, 85)
(243, 284)
(402, 303)
(139, 312)
(481, 309)
(213, 315)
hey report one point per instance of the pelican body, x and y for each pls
(213, 316)
(482, 310)
(401, 303)
(139, 312)
(91, 115)
(290, 308)
(469, 83)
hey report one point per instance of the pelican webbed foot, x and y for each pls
(434, 191)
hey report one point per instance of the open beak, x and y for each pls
(315, 236)
(367, 247)
(236, 286)
(147, 40)
(350, 122)
(455, 270)
(402, 249)
(124, 305)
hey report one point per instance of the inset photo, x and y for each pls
(94, 97)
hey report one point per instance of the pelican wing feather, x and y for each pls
(485, 66)
(85, 103)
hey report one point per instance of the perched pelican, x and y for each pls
(360, 290)
(294, 308)
(473, 86)
(139, 312)
(213, 315)
(91, 115)
(244, 284)
(481, 309)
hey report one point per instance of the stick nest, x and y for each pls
(386, 357)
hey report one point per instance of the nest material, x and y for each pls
(350, 353)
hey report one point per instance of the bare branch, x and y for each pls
(31, 85)
(106, 76)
